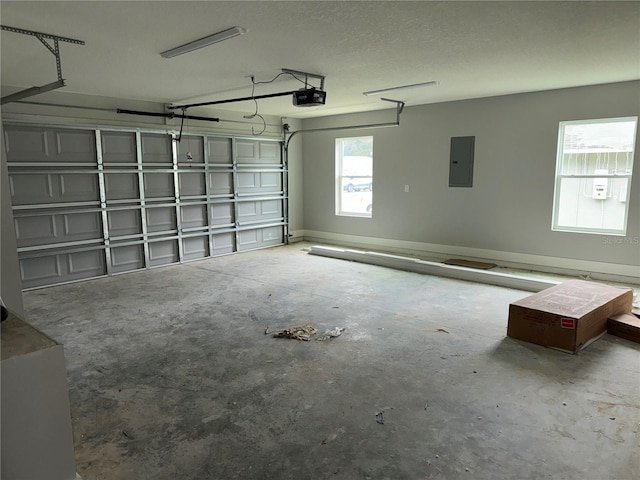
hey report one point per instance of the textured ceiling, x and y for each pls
(474, 49)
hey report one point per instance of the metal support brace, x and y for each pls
(306, 76)
(399, 109)
(55, 50)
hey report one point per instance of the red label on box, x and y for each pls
(568, 323)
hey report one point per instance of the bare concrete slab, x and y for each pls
(19, 338)
(172, 377)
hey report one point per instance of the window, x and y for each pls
(354, 176)
(593, 175)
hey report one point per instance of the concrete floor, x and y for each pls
(172, 377)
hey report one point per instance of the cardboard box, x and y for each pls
(626, 326)
(568, 316)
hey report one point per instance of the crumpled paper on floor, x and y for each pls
(304, 333)
(329, 334)
(300, 332)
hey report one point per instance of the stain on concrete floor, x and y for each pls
(171, 377)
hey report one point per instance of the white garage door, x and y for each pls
(89, 203)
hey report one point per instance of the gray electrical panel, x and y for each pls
(461, 161)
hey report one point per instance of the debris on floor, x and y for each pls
(304, 333)
(300, 332)
(380, 418)
(441, 330)
(336, 332)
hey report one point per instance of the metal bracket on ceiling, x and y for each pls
(306, 75)
(399, 108)
(54, 49)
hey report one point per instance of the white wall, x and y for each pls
(10, 283)
(37, 437)
(506, 216)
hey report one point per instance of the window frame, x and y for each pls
(559, 176)
(339, 158)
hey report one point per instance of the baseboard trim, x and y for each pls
(435, 268)
(562, 266)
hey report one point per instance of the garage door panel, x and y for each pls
(191, 184)
(86, 264)
(26, 144)
(193, 216)
(36, 230)
(127, 258)
(40, 270)
(161, 219)
(142, 218)
(195, 247)
(121, 186)
(75, 146)
(119, 147)
(271, 181)
(158, 185)
(223, 243)
(246, 151)
(221, 214)
(30, 189)
(256, 152)
(51, 228)
(191, 146)
(61, 267)
(255, 183)
(248, 180)
(163, 253)
(156, 148)
(247, 210)
(77, 187)
(270, 153)
(220, 183)
(124, 222)
(44, 144)
(259, 238)
(219, 150)
(259, 210)
(82, 226)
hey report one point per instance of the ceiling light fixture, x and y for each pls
(204, 42)
(401, 87)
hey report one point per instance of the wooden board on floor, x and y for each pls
(625, 326)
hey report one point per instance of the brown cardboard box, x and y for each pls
(626, 326)
(568, 316)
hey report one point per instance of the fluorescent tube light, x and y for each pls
(401, 87)
(204, 42)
